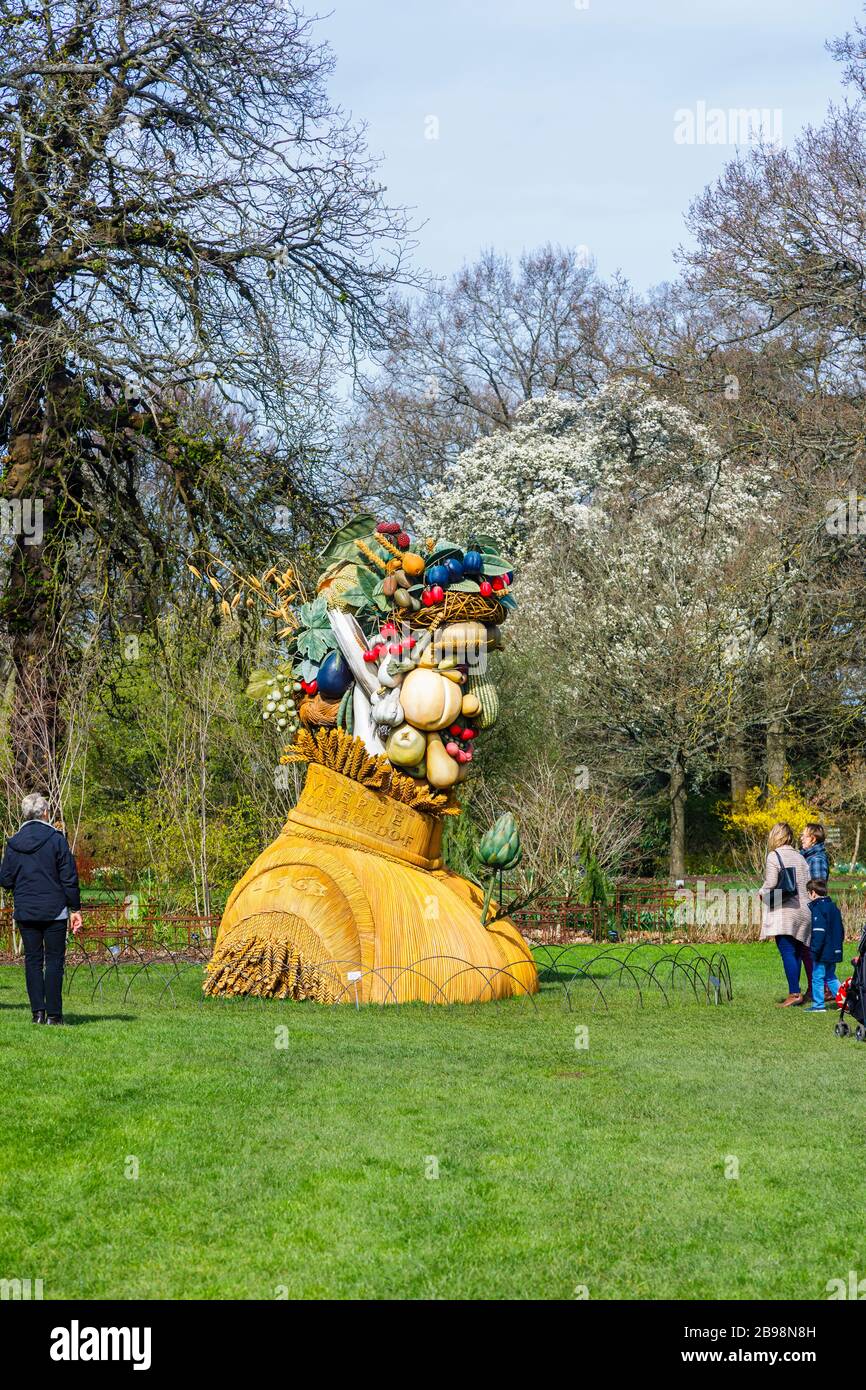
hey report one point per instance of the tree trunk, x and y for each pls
(775, 753)
(739, 770)
(677, 793)
(41, 480)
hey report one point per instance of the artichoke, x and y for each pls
(499, 847)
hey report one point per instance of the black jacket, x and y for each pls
(828, 933)
(39, 869)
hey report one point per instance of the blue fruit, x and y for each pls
(334, 677)
(455, 569)
(472, 562)
(438, 574)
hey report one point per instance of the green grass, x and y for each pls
(303, 1168)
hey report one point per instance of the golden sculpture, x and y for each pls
(352, 902)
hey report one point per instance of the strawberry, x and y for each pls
(404, 541)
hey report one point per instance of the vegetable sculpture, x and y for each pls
(384, 688)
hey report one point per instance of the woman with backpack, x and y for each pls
(786, 908)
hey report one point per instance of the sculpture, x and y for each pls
(384, 691)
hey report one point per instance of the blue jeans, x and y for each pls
(793, 952)
(823, 974)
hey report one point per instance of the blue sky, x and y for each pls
(556, 118)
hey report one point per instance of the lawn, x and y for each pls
(308, 1170)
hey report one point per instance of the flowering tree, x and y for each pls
(632, 527)
(562, 455)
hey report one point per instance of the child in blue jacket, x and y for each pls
(813, 851)
(828, 935)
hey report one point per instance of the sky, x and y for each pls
(510, 123)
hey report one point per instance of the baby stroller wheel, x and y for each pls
(842, 1030)
(860, 1033)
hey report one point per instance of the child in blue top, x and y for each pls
(828, 935)
(813, 851)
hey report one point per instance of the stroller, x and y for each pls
(854, 1001)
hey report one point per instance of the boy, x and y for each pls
(828, 935)
(813, 851)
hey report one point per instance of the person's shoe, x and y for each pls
(791, 999)
(55, 1018)
(816, 1009)
(829, 996)
(39, 1016)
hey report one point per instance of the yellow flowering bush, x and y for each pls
(753, 818)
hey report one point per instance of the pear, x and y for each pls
(442, 769)
(406, 746)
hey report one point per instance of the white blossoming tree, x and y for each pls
(632, 531)
(558, 455)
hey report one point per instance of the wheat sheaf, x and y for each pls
(343, 753)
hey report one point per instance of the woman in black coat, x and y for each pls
(40, 871)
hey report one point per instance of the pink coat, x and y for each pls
(794, 919)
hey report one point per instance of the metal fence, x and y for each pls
(699, 910)
(638, 911)
(108, 925)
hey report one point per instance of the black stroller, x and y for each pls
(855, 1000)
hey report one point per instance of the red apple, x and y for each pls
(427, 598)
(438, 593)
(470, 733)
(456, 730)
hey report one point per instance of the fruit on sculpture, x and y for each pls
(483, 689)
(413, 564)
(334, 676)
(465, 641)
(429, 700)
(406, 746)
(442, 770)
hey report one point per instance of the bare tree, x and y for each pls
(180, 203)
(466, 356)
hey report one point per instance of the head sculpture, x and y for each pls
(394, 652)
